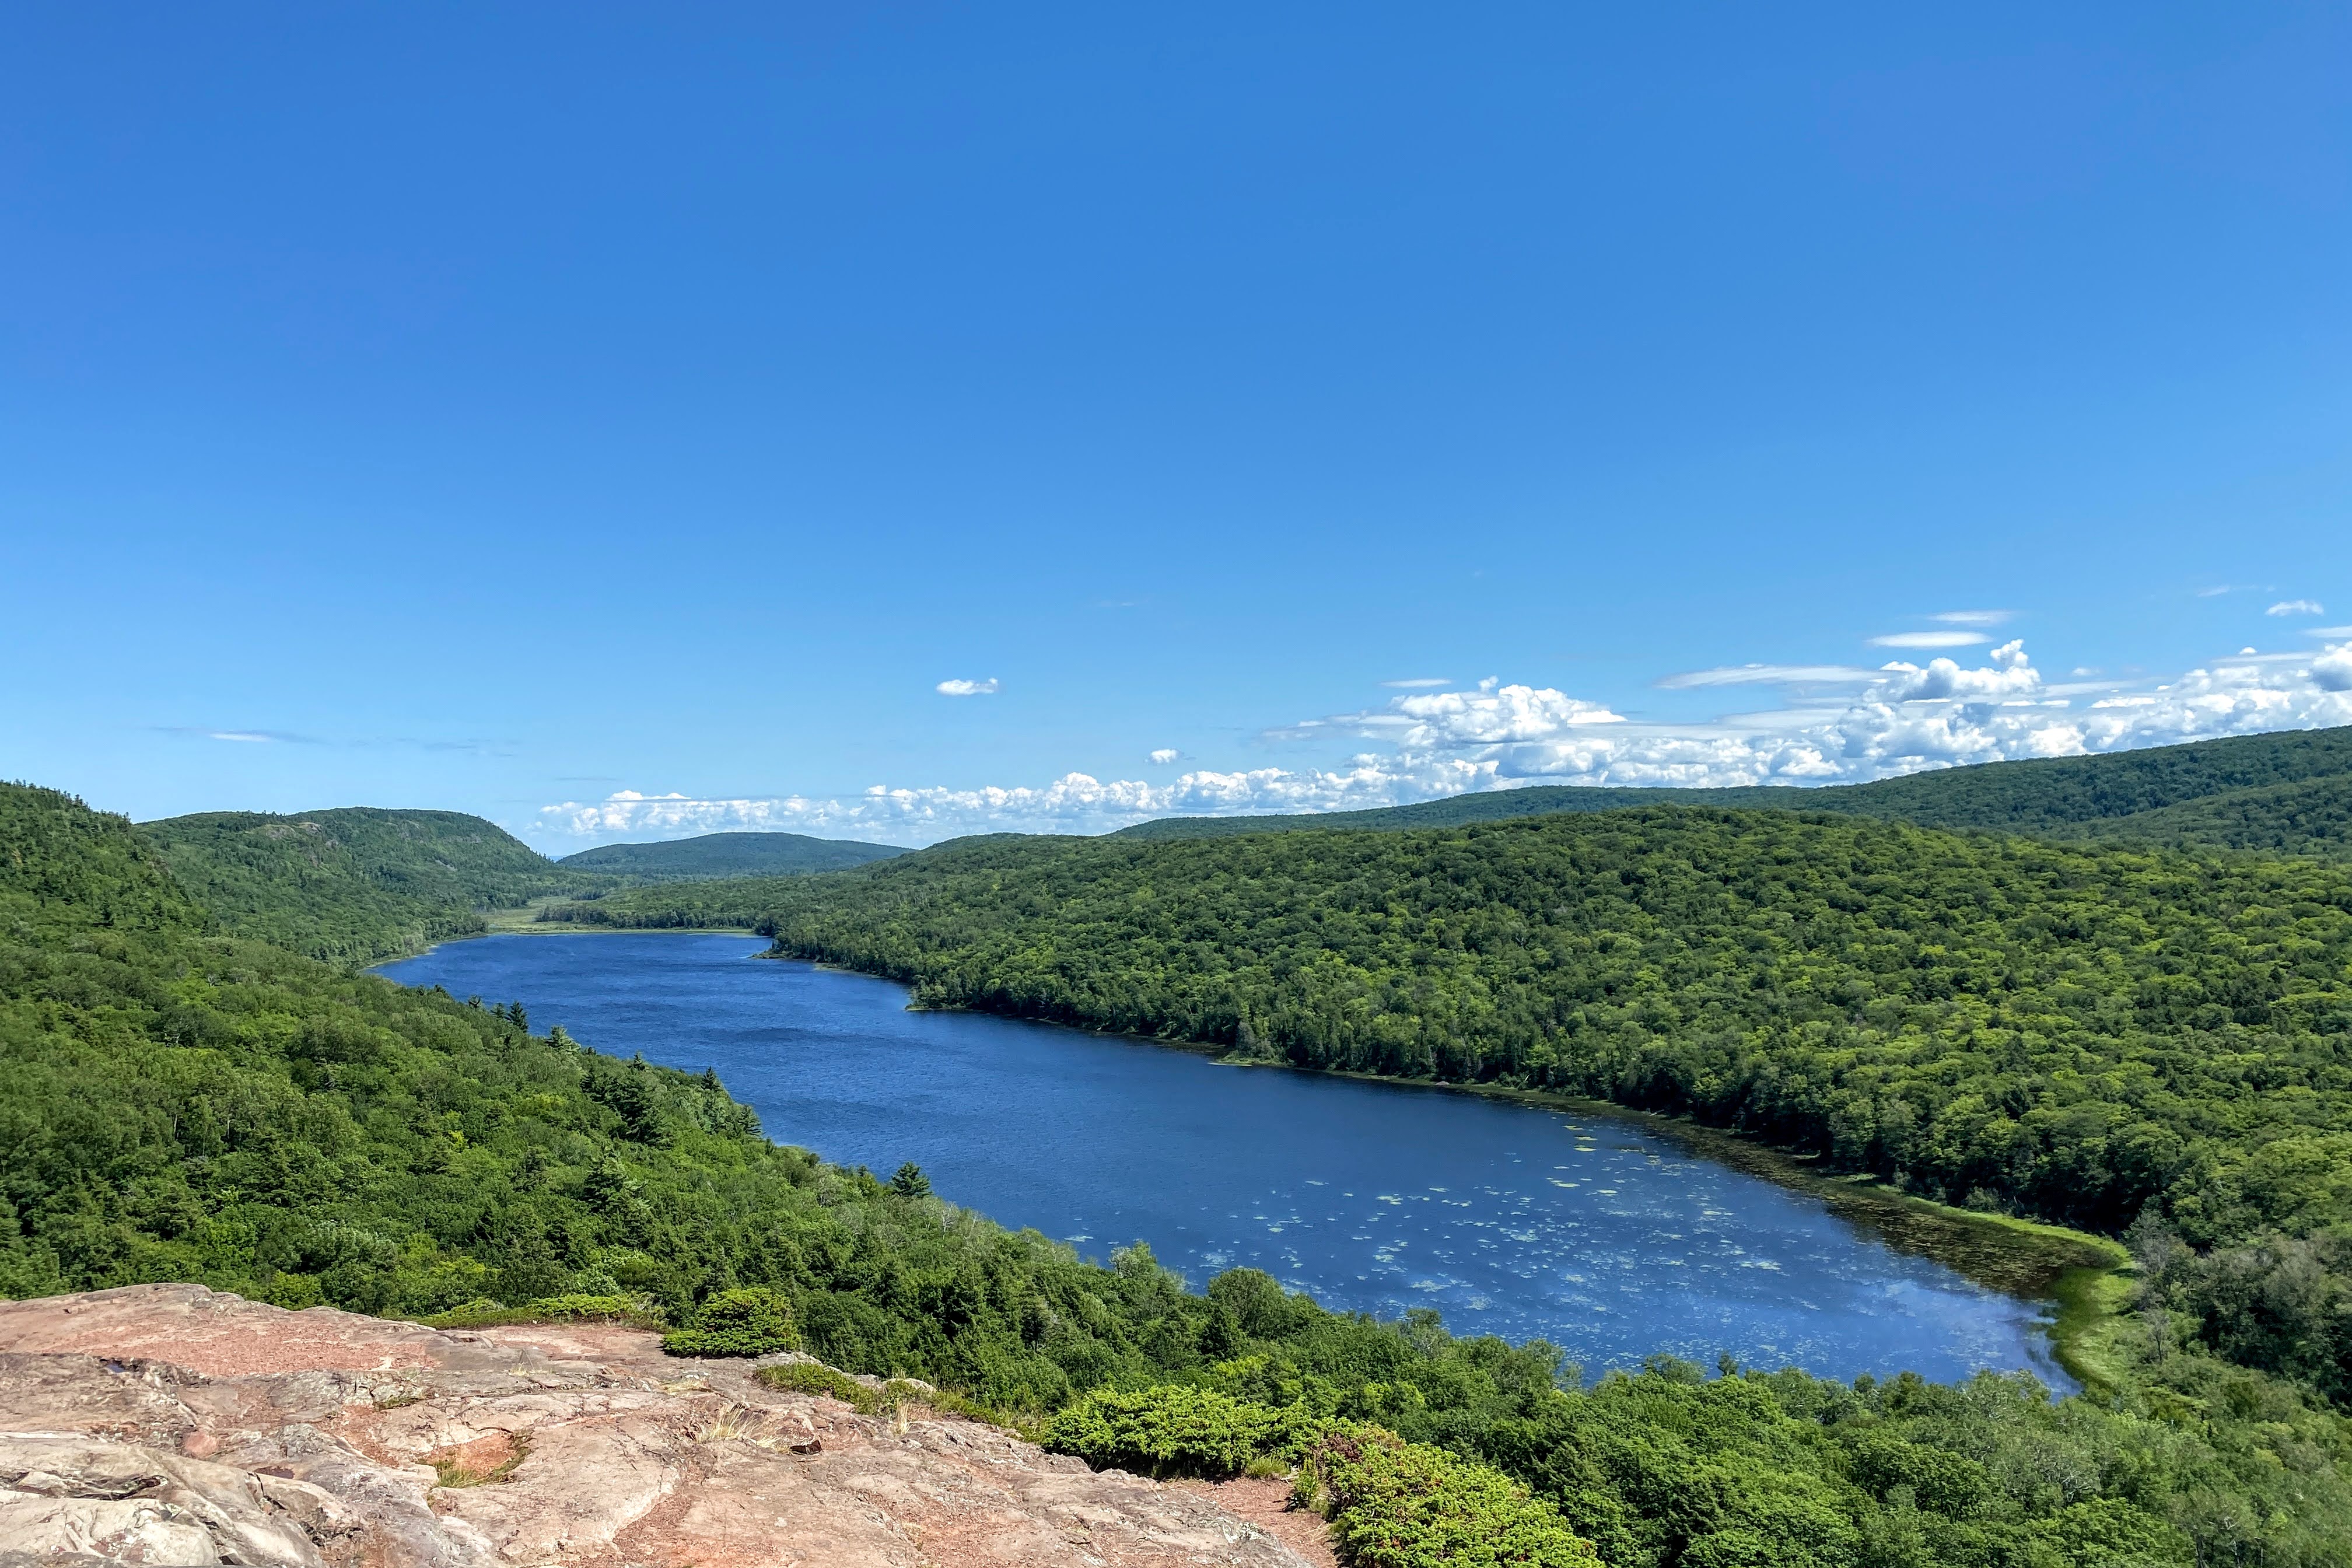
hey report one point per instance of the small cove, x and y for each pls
(1609, 1237)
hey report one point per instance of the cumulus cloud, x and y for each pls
(1493, 716)
(1930, 639)
(1941, 714)
(1765, 675)
(1972, 617)
(2296, 607)
(1075, 803)
(968, 687)
(1418, 683)
(1906, 718)
(1163, 756)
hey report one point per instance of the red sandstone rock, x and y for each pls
(172, 1424)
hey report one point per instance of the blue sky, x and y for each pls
(621, 423)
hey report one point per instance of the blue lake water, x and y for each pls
(1596, 1234)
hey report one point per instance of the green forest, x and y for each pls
(360, 884)
(356, 884)
(2128, 1039)
(721, 901)
(2099, 1036)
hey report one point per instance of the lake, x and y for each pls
(1601, 1234)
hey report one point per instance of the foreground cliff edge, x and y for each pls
(174, 1424)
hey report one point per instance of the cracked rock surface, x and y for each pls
(171, 1424)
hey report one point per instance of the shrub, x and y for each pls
(747, 1322)
(485, 1313)
(1174, 1430)
(594, 1309)
(1395, 1504)
(810, 1377)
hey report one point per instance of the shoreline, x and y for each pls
(2081, 1277)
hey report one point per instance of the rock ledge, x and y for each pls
(171, 1424)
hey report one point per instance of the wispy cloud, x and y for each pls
(241, 737)
(1930, 639)
(1418, 683)
(1973, 618)
(1767, 675)
(968, 687)
(1164, 756)
(2297, 607)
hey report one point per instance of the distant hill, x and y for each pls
(356, 883)
(716, 855)
(2289, 791)
(2309, 816)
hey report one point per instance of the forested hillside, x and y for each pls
(2089, 1035)
(739, 901)
(177, 1104)
(2309, 816)
(716, 855)
(358, 883)
(2231, 793)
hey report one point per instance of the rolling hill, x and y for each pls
(357, 883)
(2289, 791)
(718, 855)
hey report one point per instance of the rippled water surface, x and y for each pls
(1525, 1222)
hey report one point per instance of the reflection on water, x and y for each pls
(1607, 1238)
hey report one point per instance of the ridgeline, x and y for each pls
(2289, 793)
(716, 855)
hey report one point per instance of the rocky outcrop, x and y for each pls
(169, 1424)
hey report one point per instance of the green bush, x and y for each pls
(1395, 1504)
(1173, 1430)
(593, 1309)
(810, 1377)
(1177, 1430)
(485, 1313)
(749, 1322)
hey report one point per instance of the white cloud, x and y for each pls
(247, 736)
(1075, 803)
(1930, 639)
(1973, 618)
(1164, 756)
(1418, 683)
(1942, 715)
(968, 687)
(1765, 675)
(2297, 607)
(1492, 716)
(2327, 631)
(1906, 718)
